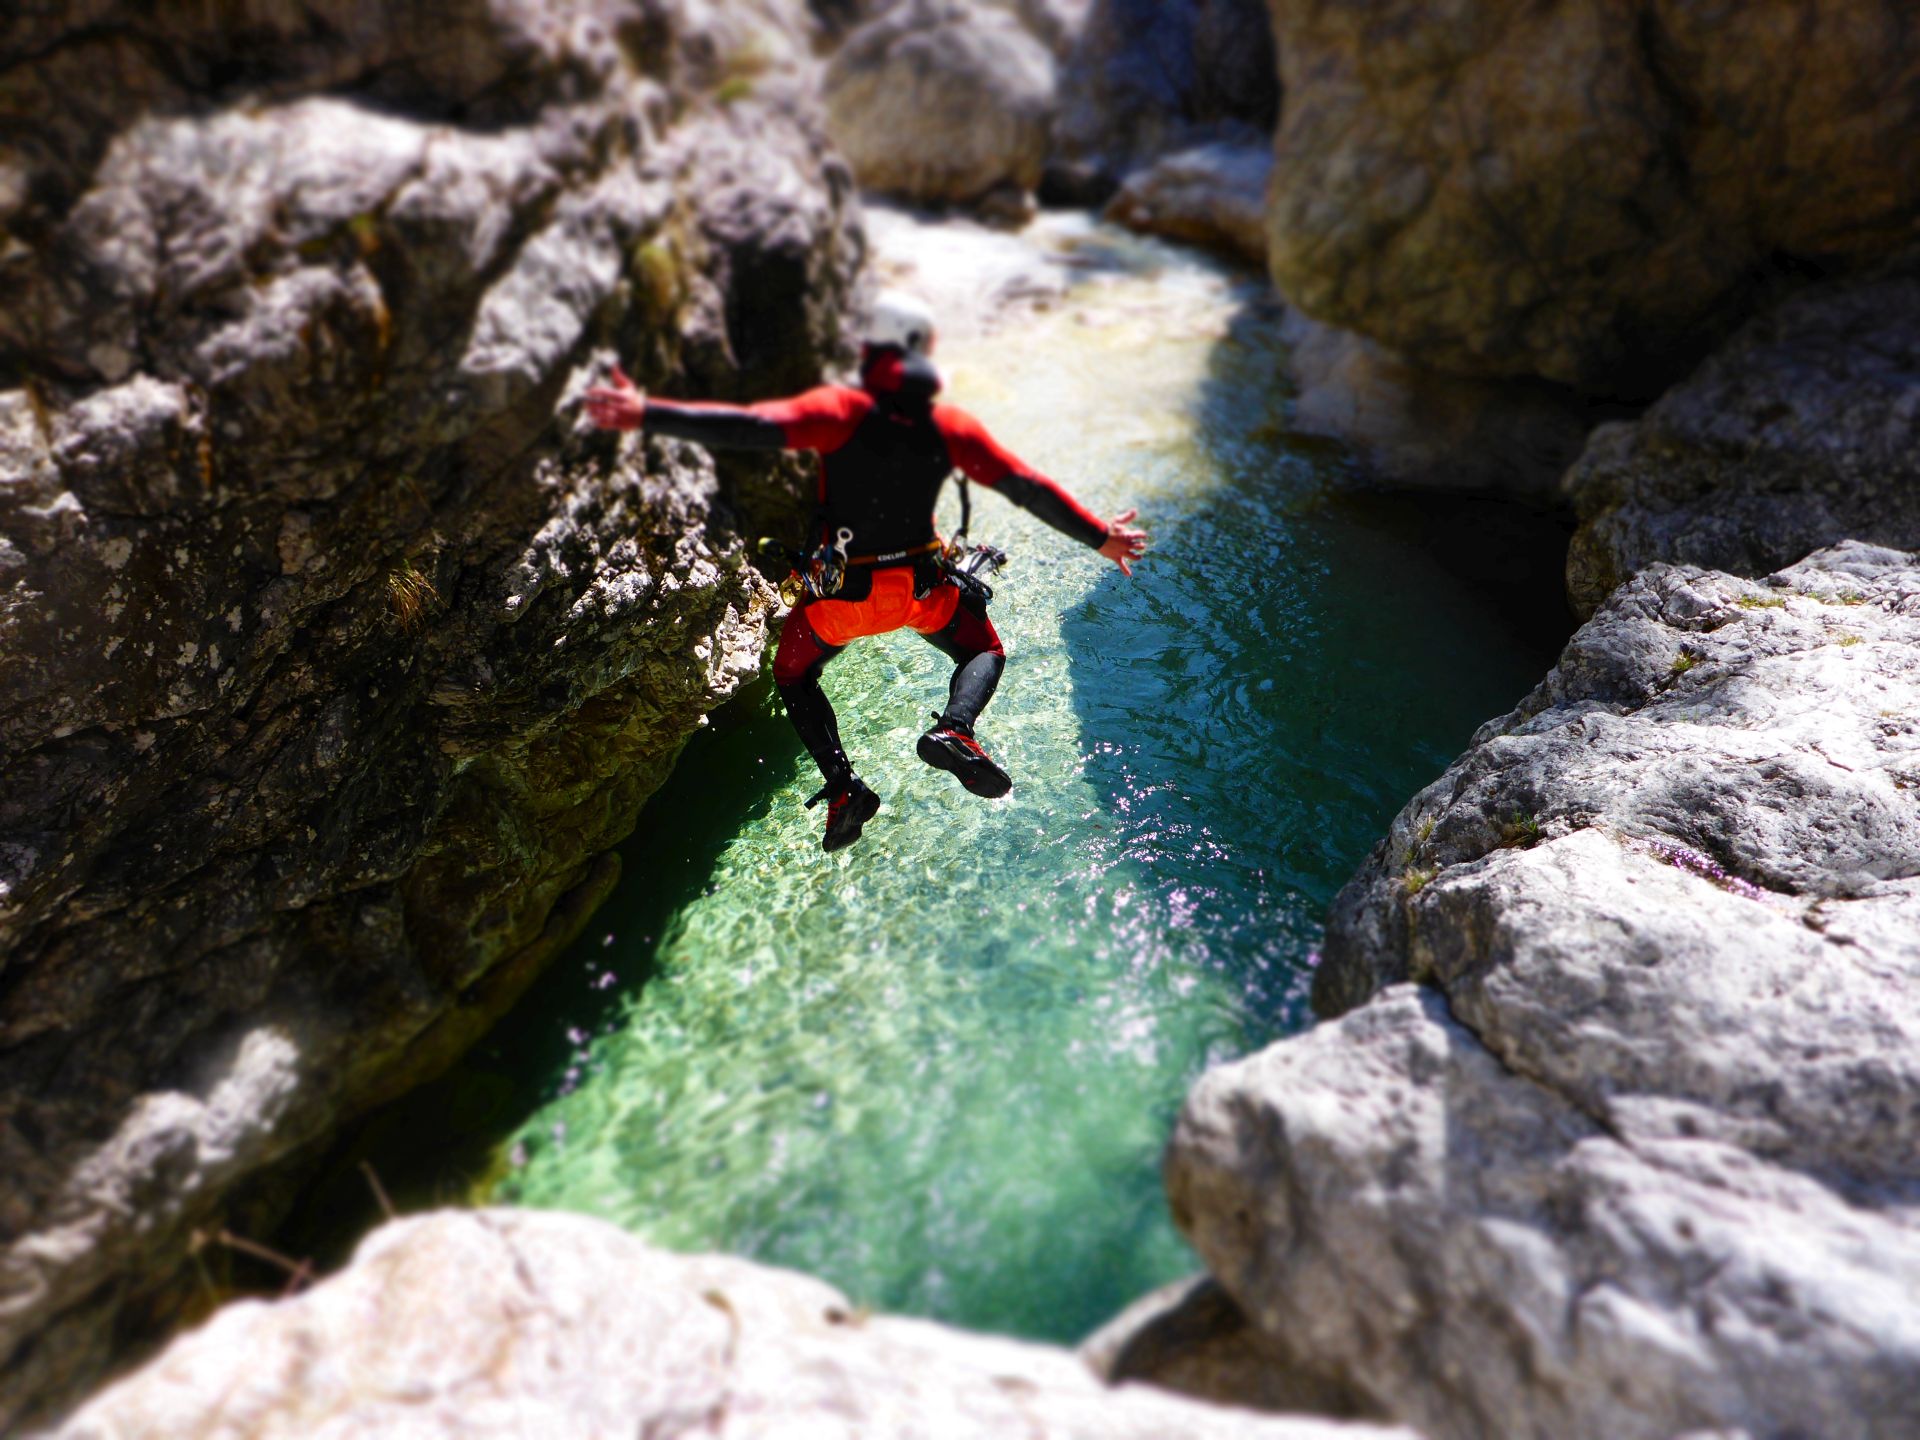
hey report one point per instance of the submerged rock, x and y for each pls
(1584, 192)
(1211, 195)
(943, 101)
(1427, 431)
(1642, 1158)
(1803, 431)
(331, 664)
(509, 1322)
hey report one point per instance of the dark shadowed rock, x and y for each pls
(1803, 431)
(1423, 430)
(1191, 1338)
(1146, 78)
(331, 663)
(1642, 1159)
(1585, 192)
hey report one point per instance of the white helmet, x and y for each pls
(901, 320)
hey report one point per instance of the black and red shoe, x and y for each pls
(951, 747)
(850, 804)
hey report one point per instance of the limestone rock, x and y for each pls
(1448, 1233)
(1641, 1161)
(1149, 77)
(332, 663)
(1212, 195)
(942, 101)
(1803, 431)
(507, 1322)
(1588, 192)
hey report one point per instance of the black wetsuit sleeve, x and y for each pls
(982, 458)
(725, 427)
(822, 419)
(1054, 506)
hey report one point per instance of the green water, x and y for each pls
(937, 1069)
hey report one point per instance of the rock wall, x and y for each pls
(517, 1323)
(1637, 1156)
(1803, 431)
(1583, 190)
(331, 663)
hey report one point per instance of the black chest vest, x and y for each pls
(882, 484)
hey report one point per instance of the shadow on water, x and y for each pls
(1296, 657)
(437, 1145)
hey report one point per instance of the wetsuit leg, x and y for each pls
(796, 672)
(973, 645)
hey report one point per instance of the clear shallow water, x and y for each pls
(937, 1069)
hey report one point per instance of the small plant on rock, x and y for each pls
(409, 593)
(1415, 880)
(1520, 831)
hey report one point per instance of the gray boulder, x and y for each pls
(1641, 1158)
(332, 663)
(942, 101)
(519, 1323)
(1803, 431)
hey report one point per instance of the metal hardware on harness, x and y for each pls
(969, 565)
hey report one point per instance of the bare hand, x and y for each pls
(1124, 543)
(621, 405)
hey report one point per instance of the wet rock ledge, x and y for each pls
(331, 665)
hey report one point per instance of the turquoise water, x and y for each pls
(937, 1069)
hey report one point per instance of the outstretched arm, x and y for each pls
(821, 419)
(982, 458)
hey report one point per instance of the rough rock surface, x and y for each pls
(1584, 191)
(508, 1322)
(1803, 431)
(1214, 195)
(1642, 1159)
(943, 101)
(1148, 77)
(331, 664)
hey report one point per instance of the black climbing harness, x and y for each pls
(821, 573)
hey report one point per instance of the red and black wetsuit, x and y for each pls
(885, 450)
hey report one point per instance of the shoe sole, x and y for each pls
(980, 777)
(865, 808)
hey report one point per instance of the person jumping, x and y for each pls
(885, 451)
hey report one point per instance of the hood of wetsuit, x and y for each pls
(891, 373)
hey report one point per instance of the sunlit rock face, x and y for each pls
(1582, 190)
(1803, 431)
(331, 661)
(1638, 1155)
(520, 1323)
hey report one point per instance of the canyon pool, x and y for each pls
(938, 1069)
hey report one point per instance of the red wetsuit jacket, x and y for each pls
(883, 458)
